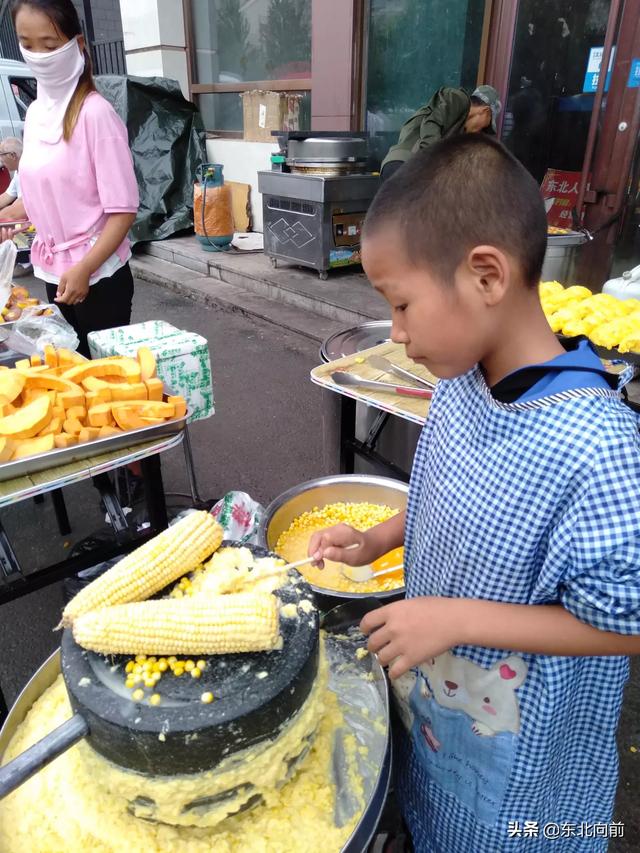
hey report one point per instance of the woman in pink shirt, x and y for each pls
(76, 174)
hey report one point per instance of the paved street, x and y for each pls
(265, 437)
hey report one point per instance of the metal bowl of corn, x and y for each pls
(360, 500)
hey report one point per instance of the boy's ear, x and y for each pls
(490, 270)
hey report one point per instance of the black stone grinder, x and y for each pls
(254, 695)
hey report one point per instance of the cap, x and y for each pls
(489, 96)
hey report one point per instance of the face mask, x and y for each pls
(58, 70)
(57, 73)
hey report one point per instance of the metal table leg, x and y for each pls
(191, 471)
(347, 434)
(60, 510)
(154, 492)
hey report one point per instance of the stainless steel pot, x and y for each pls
(560, 257)
(328, 155)
(281, 512)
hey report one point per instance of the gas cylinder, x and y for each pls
(625, 287)
(212, 208)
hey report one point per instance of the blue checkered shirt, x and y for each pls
(530, 503)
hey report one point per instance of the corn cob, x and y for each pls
(148, 569)
(202, 625)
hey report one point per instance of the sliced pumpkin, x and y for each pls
(72, 426)
(155, 389)
(88, 434)
(100, 415)
(50, 356)
(53, 427)
(129, 419)
(34, 446)
(27, 421)
(11, 384)
(135, 391)
(121, 366)
(65, 440)
(106, 431)
(147, 363)
(179, 404)
(147, 408)
(7, 446)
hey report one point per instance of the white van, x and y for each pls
(17, 90)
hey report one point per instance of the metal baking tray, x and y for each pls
(66, 455)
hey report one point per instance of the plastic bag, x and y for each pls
(239, 515)
(8, 255)
(34, 330)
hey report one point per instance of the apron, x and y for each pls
(506, 751)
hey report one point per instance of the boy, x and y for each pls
(522, 531)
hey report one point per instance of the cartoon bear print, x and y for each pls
(486, 695)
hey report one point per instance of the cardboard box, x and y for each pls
(267, 111)
(183, 359)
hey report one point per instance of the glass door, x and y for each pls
(556, 61)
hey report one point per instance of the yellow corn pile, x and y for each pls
(206, 625)
(148, 569)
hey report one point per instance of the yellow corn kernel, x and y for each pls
(226, 624)
(201, 664)
(129, 666)
(137, 695)
(207, 698)
(195, 672)
(151, 567)
(189, 665)
(141, 658)
(155, 699)
(163, 666)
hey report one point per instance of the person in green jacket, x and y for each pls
(449, 112)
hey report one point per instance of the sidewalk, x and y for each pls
(291, 297)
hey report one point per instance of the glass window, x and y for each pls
(244, 40)
(551, 90)
(24, 91)
(415, 48)
(223, 111)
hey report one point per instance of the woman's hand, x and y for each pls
(74, 286)
(7, 233)
(332, 544)
(407, 633)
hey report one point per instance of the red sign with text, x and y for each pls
(560, 194)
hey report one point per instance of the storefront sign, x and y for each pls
(634, 75)
(593, 69)
(560, 193)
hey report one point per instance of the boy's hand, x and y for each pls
(407, 633)
(332, 544)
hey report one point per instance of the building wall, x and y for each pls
(107, 21)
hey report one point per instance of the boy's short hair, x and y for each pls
(464, 192)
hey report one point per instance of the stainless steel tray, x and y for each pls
(66, 455)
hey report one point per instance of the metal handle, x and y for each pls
(405, 391)
(13, 774)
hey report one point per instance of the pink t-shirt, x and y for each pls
(68, 188)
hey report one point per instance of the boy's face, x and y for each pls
(443, 326)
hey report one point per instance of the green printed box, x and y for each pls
(183, 359)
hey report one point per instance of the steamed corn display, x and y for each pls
(294, 542)
(200, 625)
(151, 567)
(607, 321)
